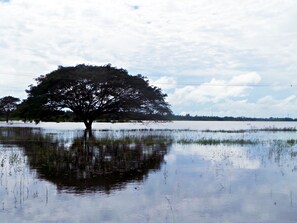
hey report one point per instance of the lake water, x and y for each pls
(149, 172)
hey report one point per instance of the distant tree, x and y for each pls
(31, 109)
(92, 92)
(8, 105)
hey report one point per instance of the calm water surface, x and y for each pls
(165, 172)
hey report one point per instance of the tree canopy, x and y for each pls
(92, 92)
(8, 105)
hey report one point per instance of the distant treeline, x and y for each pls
(68, 116)
(228, 118)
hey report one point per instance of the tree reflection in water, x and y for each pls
(89, 164)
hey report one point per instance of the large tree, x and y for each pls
(8, 105)
(92, 92)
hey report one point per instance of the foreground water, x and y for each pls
(165, 172)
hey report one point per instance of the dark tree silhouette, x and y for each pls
(32, 109)
(8, 105)
(92, 92)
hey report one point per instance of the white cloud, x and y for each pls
(215, 90)
(165, 40)
(164, 83)
(265, 107)
(245, 79)
(284, 103)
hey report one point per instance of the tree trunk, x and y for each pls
(88, 124)
(7, 117)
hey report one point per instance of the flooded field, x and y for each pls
(163, 172)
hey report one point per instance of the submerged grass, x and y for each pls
(292, 142)
(145, 130)
(210, 141)
(268, 129)
(10, 135)
(146, 140)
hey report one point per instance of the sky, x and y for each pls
(222, 58)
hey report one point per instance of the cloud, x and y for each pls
(215, 90)
(245, 79)
(269, 101)
(264, 107)
(182, 41)
(164, 83)
(267, 106)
